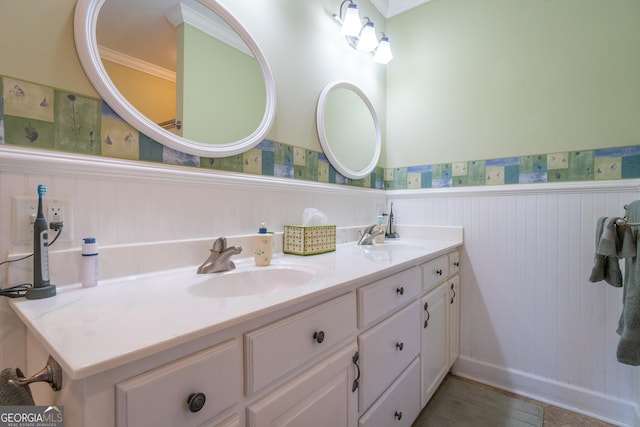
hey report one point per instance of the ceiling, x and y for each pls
(389, 8)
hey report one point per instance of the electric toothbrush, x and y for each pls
(42, 288)
(391, 234)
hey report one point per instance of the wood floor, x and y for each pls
(553, 416)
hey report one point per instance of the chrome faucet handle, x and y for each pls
(219, 245)
(369, 229)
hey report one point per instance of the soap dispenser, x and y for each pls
(263, 246)
(379, 227)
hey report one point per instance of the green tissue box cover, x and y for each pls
(300, 240)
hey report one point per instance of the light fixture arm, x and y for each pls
(342, 5)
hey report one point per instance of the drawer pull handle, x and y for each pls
(456, 264)
(426, 321)
(356, 384)
(439, 272)
(400, 290)
(318, 336)
(196, 401)
(454, 293)
(399, 346)
(398, 415)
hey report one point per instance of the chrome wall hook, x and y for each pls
(51, 374)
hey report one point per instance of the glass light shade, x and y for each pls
(351, 23)
(383, 53)
(368, 39)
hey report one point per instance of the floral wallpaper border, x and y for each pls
(38, 116)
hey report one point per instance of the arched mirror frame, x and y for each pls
(86, 16)
(322, 134)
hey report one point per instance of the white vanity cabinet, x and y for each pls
(370, 351)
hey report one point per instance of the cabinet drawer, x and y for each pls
(319, 397)
(386, 350)
(278, 348)
(454, 262)
(434, 272)
(159, 397)
(400, 404)
(381, 298)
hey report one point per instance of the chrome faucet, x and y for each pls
(220, 258)
(369, 233)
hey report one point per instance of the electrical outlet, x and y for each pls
(58, 209)
(24, 210)
(55, 214)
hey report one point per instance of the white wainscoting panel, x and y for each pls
(531, 322)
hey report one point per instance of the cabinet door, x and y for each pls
(399, 406)
(386, 350)
(454, 318)
(435, 350)
(320, 397)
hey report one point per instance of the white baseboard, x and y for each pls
(576, 399)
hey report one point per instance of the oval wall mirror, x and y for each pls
(348, 129)
(185, 73)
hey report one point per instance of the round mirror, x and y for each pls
(348, 129)
(184, 73)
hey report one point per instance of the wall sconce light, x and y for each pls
(351, 24)
(383, 52)
(363, 36)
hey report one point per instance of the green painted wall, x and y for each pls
(222, 89)
(485, 79)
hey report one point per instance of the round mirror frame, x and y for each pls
(85, 19)
(320, 123)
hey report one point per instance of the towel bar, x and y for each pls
(51, 374)
(624, 223)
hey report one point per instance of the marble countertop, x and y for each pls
(91, 330)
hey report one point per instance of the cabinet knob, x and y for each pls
(318, 336)
(399, 346)
(400, 290)
(457, 264)
(439, 272)
(196, 401)
(398, 415)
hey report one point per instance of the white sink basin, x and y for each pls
(252, 281)
(395, 246)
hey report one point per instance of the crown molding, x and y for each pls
(136, 63)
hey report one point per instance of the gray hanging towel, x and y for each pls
(628, 351)
(606, 263)
(14, 395)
